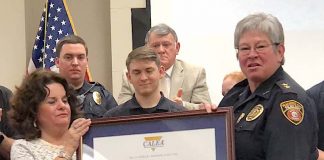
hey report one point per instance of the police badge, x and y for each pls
(254, 113)
(97, 97)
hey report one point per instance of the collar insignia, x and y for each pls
(285, 85)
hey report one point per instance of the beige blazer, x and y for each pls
(191, 78)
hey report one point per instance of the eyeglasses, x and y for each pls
(260, 47)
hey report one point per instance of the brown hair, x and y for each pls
(143, 53)
(30, 94)
(70, 39)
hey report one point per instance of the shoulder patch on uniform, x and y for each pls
(293, 111)
(254, 113)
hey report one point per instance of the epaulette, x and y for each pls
(285, 87)
(97, 84)
(88, 90)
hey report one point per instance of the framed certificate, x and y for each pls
(188, 135)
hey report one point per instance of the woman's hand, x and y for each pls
(72, 137)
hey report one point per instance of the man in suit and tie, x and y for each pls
(183, 83)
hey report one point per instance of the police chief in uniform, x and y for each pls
(274, 117)
(72, 62)
(144, 72)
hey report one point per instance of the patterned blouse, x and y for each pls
(35, 150)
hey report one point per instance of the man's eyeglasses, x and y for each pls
(244, 49)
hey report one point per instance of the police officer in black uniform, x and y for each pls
(274, 117)
(5, 95)
(95, 99)
(317, 93)
(5, 129)
(72, 61)
(144, 72)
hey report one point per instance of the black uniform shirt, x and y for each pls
(5, 95)
(317, 93)
(96, 100)
(276, 122)
(132, 107)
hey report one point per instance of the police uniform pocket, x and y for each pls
(245, 126)
(97, 110)
(91, 108)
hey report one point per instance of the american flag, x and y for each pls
(59, 23)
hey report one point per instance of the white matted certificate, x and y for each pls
(189, 135)
(175, 145)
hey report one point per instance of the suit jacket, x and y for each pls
(191, 78)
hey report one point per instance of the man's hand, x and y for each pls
(209, 107)
(178, 98)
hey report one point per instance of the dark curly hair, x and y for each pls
(30, 94)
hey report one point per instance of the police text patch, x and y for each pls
(293, 111)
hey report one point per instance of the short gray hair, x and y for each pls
(161, 30)
(262, 22)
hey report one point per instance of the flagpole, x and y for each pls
(69, 16)
(45, 30)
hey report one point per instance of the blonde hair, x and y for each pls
(236, 75)
(230, 80)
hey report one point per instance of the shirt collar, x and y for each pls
(158, 106)
(83, 88)
(264, 89)
(169, 71)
